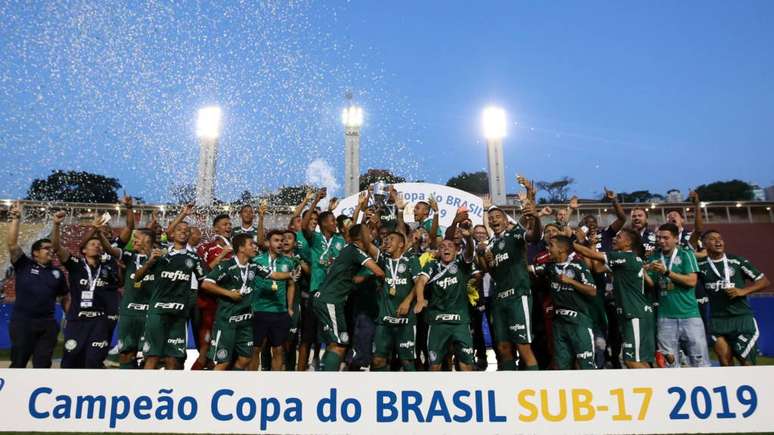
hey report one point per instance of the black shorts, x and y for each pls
(308, 322)
(274, 326)
(87, 342)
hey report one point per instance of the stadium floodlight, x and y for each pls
(352, 117)
(208, 122)
(494, 121)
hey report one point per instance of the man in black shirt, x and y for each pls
(33, 328)
(93, 283)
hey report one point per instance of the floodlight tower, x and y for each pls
(494, 121)
(208, 132)
(352, 118)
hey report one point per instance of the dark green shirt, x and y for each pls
(175, 276)
(338, 282)
(271, 296)
(136, 296)
(738, 270)
(569, 304)
(448, 289)
(509, 272)
(628, 284)
(232, 276)
(400, 275)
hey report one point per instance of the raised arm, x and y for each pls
(126, 232)
(56, 237)
(531, 222)
(585, 251)
(145, 269)
(213, 288)
(362, 204)
(309, 234)
(419, 288)
(620, 216)
(186, 211)
(486, 202)
(300, 207)
(698, 223)
(106, 246)
(291, 295)
(13, 232)
(263, 207)
(400, 204)
(434, 225)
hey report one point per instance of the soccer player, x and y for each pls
(211, 253)
(732, 325)
(93, 283)
(301, 271)
(673, 270)
(604, 239)
(176, 274)
(329, 301)
(234, 281)
(639, 217)
(135, 299)
(33, 328)
(272, 302)
(512, 303)
(633, 305)
(572, 290)
(324, 245)
(395, 323)
(246, 217)
(309, 324)
(422, 217)
(448, 315)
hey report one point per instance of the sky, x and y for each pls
(648, 96)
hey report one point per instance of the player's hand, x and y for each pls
(263, 207)
(564, 279)
(573, 202)
(580, 235)
(610, 195)
(693, 196)
(421, 304)
(658, 267)
(433, 203)
(155, 254)
(127, 201)
(226, 250)
(235, 296)
(489, 257)
(322, 193)
(309, 195)
(461, 215)
(15, 210)
(290, 312)
(403, 308)
(545, 211)
(97, 221)
(57, 218)
(528, 209)
(295, 274)
(486, 201)
(734, 292)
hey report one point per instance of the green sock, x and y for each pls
(383, 368)
(330, 362)
(129, 365)
(535, 367)
(508, 366)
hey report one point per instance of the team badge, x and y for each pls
(189, 263)
(105, 273)
(146, 347)
(222, 354)
(501, 245)
(120, 345)
(731, 272)
(433, 355)
(283, 268)
(57, 274)
(570, 274)
(344, 337)
(70, 345)
(339, 246)
(401, 268)
(453, 268)
(251, 275)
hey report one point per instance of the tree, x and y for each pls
(246, 197)
(476, 183)
(638, 196)
(74, 186)
(288, 195)
(183, 193)
(557, 191)
(733, 190)
(373, 175)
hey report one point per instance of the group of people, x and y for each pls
(371, 291)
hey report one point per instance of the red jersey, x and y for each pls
(208, 252)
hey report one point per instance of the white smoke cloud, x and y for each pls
(319, 173)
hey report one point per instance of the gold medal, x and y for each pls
(138, 285)
(393, 291)
(274, 286)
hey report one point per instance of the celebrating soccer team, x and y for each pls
(372, 291)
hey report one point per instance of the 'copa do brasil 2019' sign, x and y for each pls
(606, 401)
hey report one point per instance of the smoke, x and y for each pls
(319, 173)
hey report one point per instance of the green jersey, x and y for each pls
(400, 275)
(338, 282)
(240, 278)
(628, 284)
(136, 295)
(175, 275)
(323, 254)
(568, 302)
(250, 231)
(271, 296)
(509, 271)
(676, 301)
(448, 288)
(427, 224)
(727, 272)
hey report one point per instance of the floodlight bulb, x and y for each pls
(208, 122)
(494, 122)
(352, 117)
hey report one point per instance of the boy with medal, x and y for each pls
(732, 325)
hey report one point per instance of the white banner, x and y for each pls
(706, 400)
(449, 200)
